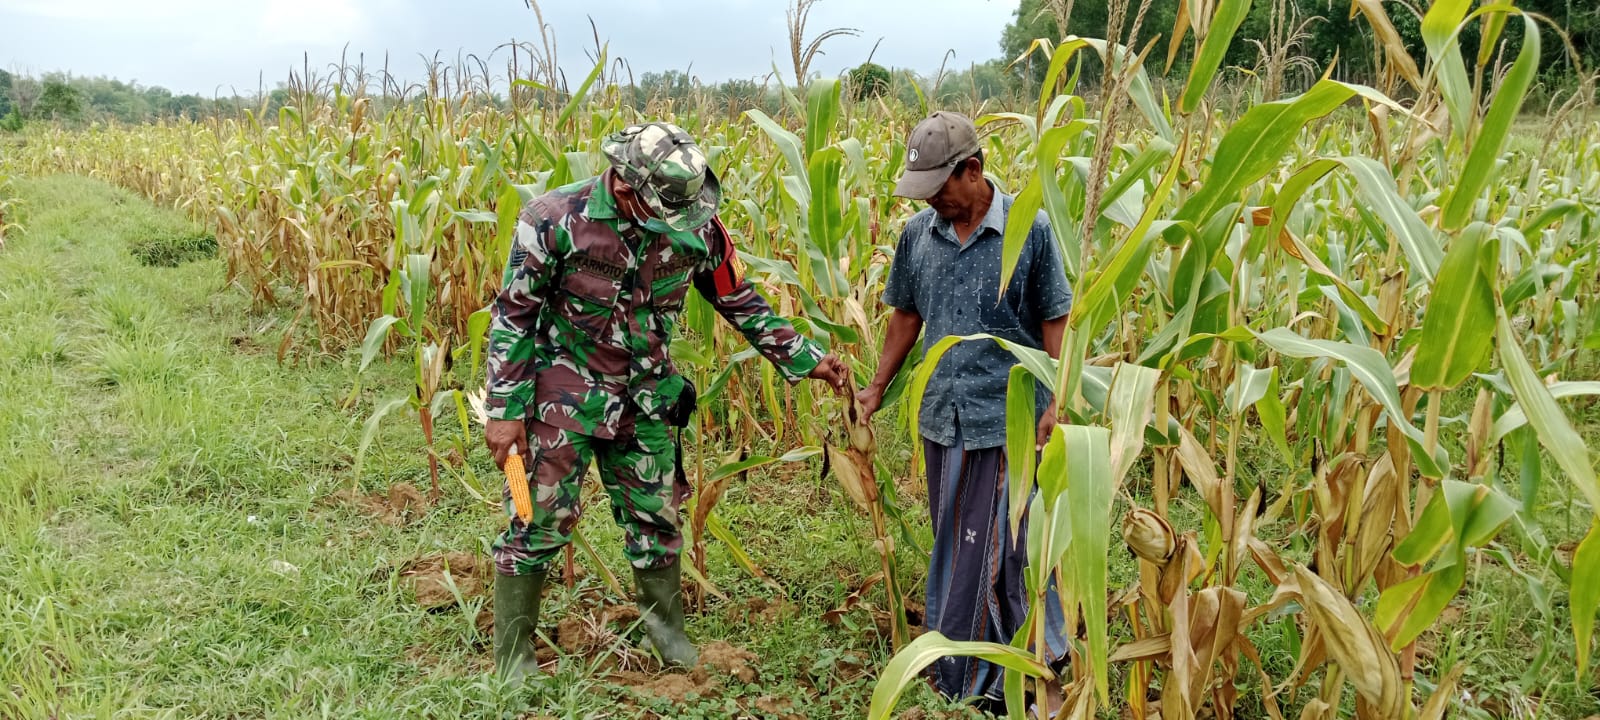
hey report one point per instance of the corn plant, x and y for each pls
(1237, 294)
(1276, 309)
(8, 209)
(431, 361)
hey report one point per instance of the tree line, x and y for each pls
(1285, 44)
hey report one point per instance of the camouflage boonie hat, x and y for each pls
(669, 172)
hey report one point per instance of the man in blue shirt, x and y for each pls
(945, 279)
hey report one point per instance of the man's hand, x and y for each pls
(502, 435)
(832, 371)
(1047, 425)
(870, 398)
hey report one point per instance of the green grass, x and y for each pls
(168, 548)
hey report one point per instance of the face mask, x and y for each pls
(656, 225)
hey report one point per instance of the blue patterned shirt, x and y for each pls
(956, 290)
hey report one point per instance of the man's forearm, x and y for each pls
(1053, 332)
(904, 327)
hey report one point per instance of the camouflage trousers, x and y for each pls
(638, 472)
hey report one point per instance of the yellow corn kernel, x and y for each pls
(517, 480)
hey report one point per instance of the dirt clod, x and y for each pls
(400, 505)
(674, 687)
(427, 578)
(721, 658)
(759, 611)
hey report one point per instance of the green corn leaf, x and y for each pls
(1274, 418)
(1515, 418)
(1019, 222)
(759, 461)
(1128, 409)
(1021, 438)
(1090, 488)
(576, 101)
(477, 335)
(1059, 211)
(1459, 515)
(1377, 187)
(1230, 14)
(507, 208)
(416, 281)
(906, 666)
(1554, 430)
(369, 429)
(788, 144)
(1053, 199)
(1438, 34)
(1114, 281)
(1059, 57)
(719, 529)
(1052, 475)
(1249, 387)
(822, 113)
(1458, 330)
(1556, 211)
(825, 219)
(1135, 175)
(377, 332)
(1585, 597)
(1140, 90)
(1288, 197)
(1257, 143)
(1410, 607)
(1368, 366)
(1480, 169)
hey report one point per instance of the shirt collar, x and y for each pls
(602, 205)
(994, 219)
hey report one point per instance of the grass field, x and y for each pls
(179, 541)
(179, 536)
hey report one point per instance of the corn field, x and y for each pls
(1321, 353)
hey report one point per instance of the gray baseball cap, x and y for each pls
(935, 146)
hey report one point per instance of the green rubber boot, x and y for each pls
(516, 614)
(661, 608)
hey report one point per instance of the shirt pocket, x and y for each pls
(1004, 317)
(670, 287)
(591, 298)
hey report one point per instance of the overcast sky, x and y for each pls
(216, 46)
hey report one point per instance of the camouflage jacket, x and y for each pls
(580, 329)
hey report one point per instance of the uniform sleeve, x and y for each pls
(899, 290)
(513, 317)
(721, 282)
(1048, 285)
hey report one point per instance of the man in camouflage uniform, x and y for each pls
(579, 370)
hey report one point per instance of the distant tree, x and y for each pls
(1337, 35)
(185, 106)
(906, 85)
(24, 93)
(740, 95)
(673, 85)
(979, 82)
(59, 101)
(5, 93)
(869, 80)
(276, 99)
